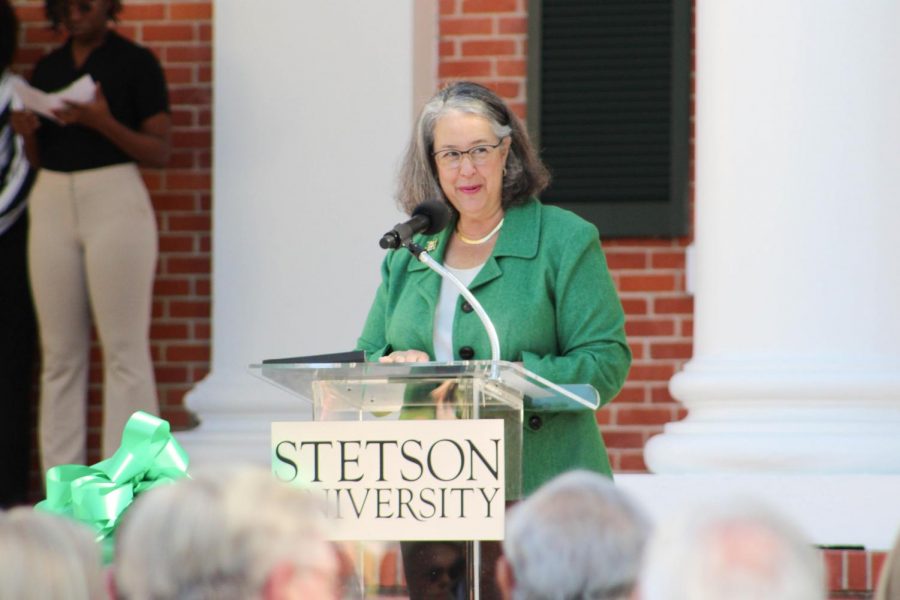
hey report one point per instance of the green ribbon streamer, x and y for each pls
(98, 495)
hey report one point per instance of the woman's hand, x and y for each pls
(24, 122)
(405, 356)
(91, 114)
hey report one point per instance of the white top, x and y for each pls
(445, 311)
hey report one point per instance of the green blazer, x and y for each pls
(549, 293)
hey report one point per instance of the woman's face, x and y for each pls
(473, 182)
(86, 19)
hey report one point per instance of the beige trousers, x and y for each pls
(92, 250)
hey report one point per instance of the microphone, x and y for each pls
(429, 218)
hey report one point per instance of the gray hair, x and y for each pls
(525, 173)
(738, 550)
(48, 557)
(577, 536)
(218, 537)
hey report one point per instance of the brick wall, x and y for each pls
(486, 41)
(180, 34)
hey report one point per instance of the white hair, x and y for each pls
(48, 557)
(737, 550)
(218, 537)
(577, 536)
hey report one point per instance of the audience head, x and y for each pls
(577, 536)
(48, 557)
(238, 535)
(735, 551)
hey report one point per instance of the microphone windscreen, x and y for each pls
(438, 215)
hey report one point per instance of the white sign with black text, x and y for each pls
(399, 480)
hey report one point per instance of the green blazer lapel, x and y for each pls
(428, 284)
(519, 237)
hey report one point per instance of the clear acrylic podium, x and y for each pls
(432, 391)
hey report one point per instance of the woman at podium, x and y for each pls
(538, 271)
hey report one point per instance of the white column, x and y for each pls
(796, 365)
(313, 108)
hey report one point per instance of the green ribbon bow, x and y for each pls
(98, 495)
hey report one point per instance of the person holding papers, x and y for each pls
(93, 238)
(538, 271)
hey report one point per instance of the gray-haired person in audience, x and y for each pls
(241, 535)
(736, 550)
(577, 536)
(48, 557)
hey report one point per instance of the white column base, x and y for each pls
(747, 417)
(236, 411)
(832, 510)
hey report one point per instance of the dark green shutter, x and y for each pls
(608, 102)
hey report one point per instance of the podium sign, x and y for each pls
(405, 480)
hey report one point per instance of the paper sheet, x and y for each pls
(79, 91)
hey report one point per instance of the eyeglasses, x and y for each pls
(479, 155)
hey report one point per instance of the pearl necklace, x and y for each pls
(471, 242)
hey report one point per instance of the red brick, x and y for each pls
(687, 328)
(660, 394)
(190, 309)
(187, 265)
(488, 6)
(512, 68)
(464, 68)
(634, 306)
(857, 570)
(667, 260)
(626, 260)
(196, 95)
(142, 12)
(643, 416)
(507, 90)
(188, 353)
(170, 374)
(168, 33)
(187, 180)
(623, 439)
(651, 372)
(631, 393)
(632, 462)
(175, 243)
(466, 26)
(506, 25)
(683, 305)
(194, 11)
(192, 139)
(649, 327)
(189, 54)
(671, 350)
(834, 566)
(169, 331)
(181, 74)
(877, 561)
(173, 201)
(647, 283)
(189, 223)
(488, 48)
